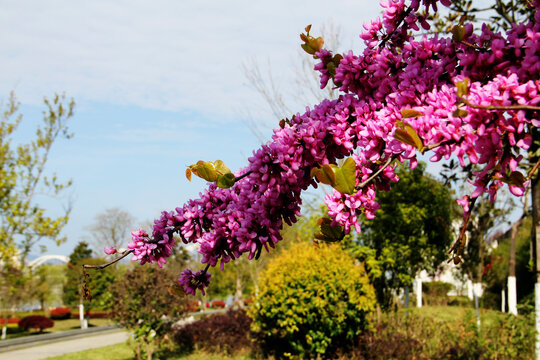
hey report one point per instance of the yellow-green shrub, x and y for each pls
(312, 301)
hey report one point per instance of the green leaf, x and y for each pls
(207, 171)
(410, 113)
(325, 174)
(308, 49)
(463, 88)
(221, 168)
(211, 171)
(460, 113)
(225, 181)
(346, 177)
(409, 136)
(458, 33)
(328, 232)
(343, 179)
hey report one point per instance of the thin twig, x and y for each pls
(433, 146)
(387, 37)
(533, 170)
(247, 173)
(206, 269)
(507, 107)
(381, 169)
(464, 226)
(103, 266)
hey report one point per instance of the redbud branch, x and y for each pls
(206, 269)
(533, 170)
(387, 36)
(381, 169)
(463, 227)
(247, 173)
(474, 46)
(103, 266)
(497, 107)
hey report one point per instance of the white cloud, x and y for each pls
(166, 54)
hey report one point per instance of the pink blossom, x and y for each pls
(464, 202)
(110, 250)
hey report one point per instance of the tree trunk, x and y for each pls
(512, 288)
(81, 315)
(407, 300)
(148, 351)
(477, 307)
(4, 328)
(503, 301)
(239, 295)
(138, 350)
(418, 291)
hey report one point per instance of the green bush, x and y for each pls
(312, 302)
(144, 306)
(436, 292)
(428, 336)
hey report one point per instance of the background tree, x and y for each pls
(23, 221)
(144, 305)
(111, 228)
(13, 292)
(23, 179)
(496, 270)
(97, 281)
(411, 232)
(47, 284)
(72, 286)
(500, 14)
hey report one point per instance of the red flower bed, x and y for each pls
(100, 315)
(193, 305)
(12, 320)
(218, 304)
(60, 313)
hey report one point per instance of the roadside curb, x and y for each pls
(31, 340)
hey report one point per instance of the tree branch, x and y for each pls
(533, 170)
(458, 246)
(381, 169)
(103, 266)
(507, 107)
(247, 173)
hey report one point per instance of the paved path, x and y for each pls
(61, 347)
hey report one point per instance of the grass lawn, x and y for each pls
(125, 352)
(450, 313)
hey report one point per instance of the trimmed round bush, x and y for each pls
(60, 313)
(36, 322)
(312, 302)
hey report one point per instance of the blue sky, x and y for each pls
(158, 85)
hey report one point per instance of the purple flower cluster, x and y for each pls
(396, 71)
(191, 281)
(152, 250)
